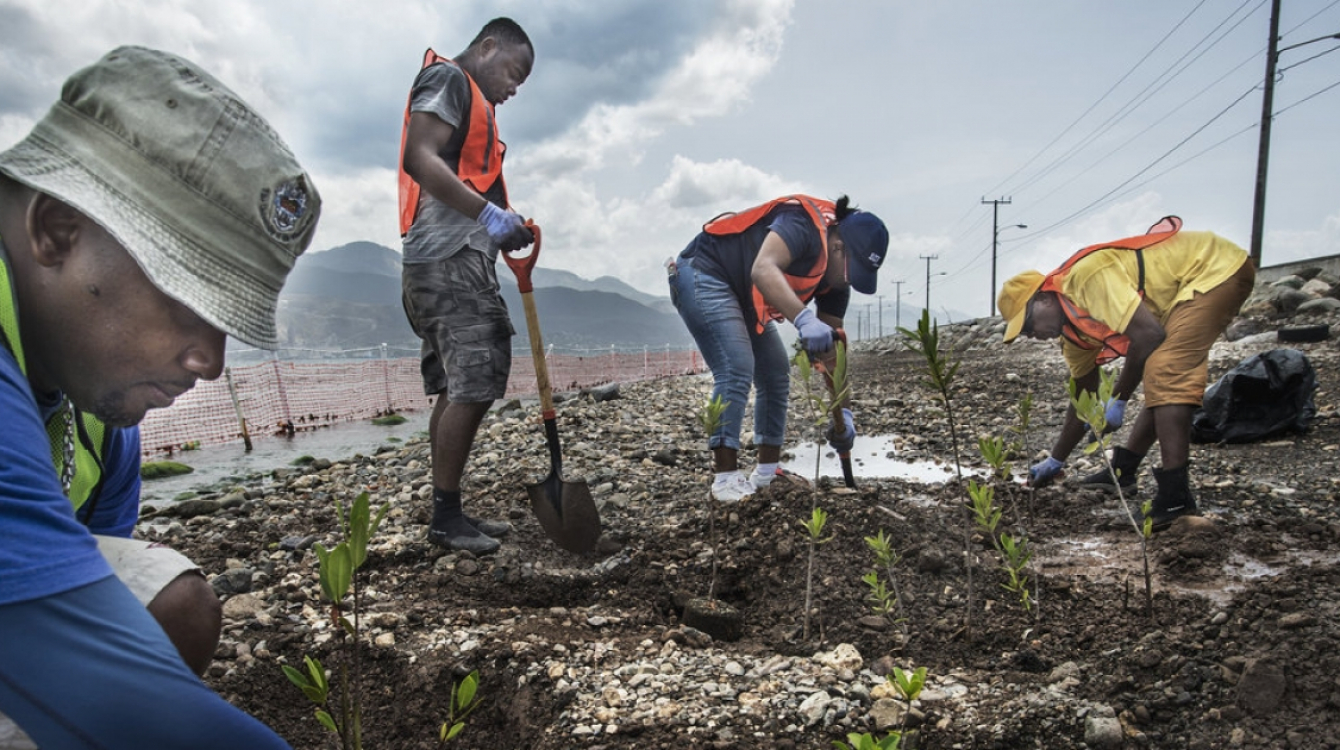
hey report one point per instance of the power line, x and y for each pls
(1100, 100)
(1146, 94)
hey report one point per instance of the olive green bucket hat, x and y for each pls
(193, 182)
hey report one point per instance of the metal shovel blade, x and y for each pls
(566, 512)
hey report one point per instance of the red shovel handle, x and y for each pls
(521, 266)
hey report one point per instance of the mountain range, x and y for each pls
(348, 297)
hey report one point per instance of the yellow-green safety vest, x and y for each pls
(91, 435)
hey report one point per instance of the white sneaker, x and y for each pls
(761, 480)
(734, 488)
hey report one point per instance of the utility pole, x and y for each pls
(928, 259)
(1263, 149)
(881, 316)
(995, 235)
(898, 305)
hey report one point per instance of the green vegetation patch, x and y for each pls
(388, 420)
(160, 469)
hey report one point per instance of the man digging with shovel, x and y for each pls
(454, 218)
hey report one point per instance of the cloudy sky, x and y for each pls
(643, 118)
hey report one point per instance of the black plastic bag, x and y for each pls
(1266, 394)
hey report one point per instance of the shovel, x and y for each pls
(848, 477)
(565, 510)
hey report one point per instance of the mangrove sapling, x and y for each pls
(940, 372)
(464, 700)
(823, 404)
(814, 530)
(887, 600)
(1016, 554)
(1024, 410)
(1091, 408)
(908, 686)
(866, 741)
(337, 572)
(987, 516)
(709, 418)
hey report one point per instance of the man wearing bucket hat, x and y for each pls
(740, 275)
(1159, 300)
(148, 215)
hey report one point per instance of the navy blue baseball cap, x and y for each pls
(867, 242)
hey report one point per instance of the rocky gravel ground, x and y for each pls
(1240, 648)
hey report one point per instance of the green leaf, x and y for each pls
(465, 693)
(327, 721)
(337, 571)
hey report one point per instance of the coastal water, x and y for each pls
(222, 463)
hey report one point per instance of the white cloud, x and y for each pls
(710, 81)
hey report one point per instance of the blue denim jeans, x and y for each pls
(737, 355)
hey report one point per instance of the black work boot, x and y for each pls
(452, 530)
(1174, 498)
(1127, 466)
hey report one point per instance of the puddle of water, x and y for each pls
(872, 456)
(1117, 557)
(232, 462)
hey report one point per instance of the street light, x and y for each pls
(928, 286)
(995, 241)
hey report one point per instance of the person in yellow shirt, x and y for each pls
(1159, 301)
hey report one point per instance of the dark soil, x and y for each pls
(1240, 647)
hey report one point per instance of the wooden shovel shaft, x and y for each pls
(537, 351)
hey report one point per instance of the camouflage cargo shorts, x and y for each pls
(456, 309)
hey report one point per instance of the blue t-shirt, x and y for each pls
(44, 549)
(731, 257)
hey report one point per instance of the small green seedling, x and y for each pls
(997, 452)
(1016, 555)
(464, 700)
(336, 571)
(1090, 408)
(886, 598)
(814, 530)
(865, 741)
(709, 419)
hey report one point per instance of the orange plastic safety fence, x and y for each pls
(279, 397)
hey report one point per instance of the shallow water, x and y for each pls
(872, 456)
(224, 462)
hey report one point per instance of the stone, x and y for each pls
(1101, 732)
(1320, 305)
(844, 656)
(196, 506)
(242, 607)
(1316, 287)
(1261, 688)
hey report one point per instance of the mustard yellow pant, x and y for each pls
(1176, 373)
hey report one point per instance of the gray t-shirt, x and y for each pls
(440, 231)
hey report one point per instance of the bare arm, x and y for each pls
(427, 135)
(1072, 429)
(769, 276)
(1146, 335)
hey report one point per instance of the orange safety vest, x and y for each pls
(823, 213)
(1080, 327)
(481, 157)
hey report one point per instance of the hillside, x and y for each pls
(348, 297)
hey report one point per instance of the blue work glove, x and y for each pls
(842, 443)
(816, 335)
(1045, 472)
(505, 228)
(1115, 413)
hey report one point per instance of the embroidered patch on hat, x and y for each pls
(284, 207)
